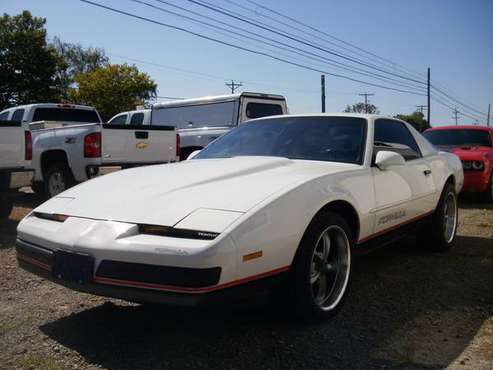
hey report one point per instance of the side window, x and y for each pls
(394, 136)
(4, 116)
(257, 110)
(119, 120)
(17, 116)
(137, 119)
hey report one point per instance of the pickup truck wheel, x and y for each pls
(321, 270)
(6, 205)
(58, 178)
(440, 231)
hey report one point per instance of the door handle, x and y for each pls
(141, 135)
(427, 172)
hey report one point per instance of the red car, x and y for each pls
(474, 146)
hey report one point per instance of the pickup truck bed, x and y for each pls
(65, 154)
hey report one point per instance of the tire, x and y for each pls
(320, 275)
(39, 189)
(440, 231)
(57, 178)
(6, 205)
(488, 194)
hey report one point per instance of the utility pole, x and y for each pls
(421, 108)
(366, 95)
(233, 85)
(455, 116)
(488, 121)
(429, 99)
(322, 82)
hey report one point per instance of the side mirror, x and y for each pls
(193, 154)
(386, 159)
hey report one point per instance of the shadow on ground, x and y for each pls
(406, 309)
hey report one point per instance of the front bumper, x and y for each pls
(111, 281)
(475, 181)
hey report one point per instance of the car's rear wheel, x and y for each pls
(321, 271)
(440, 231)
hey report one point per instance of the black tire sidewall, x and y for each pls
(437, 230)
(64, 170)
(301, 294)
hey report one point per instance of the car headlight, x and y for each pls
(477, 165)
(467, 165)
(204, 224)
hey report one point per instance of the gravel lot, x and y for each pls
(407, 309)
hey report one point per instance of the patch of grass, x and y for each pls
(39, 362)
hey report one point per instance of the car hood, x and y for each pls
(166, 194)
(466, 152)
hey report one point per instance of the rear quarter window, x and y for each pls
(65, 115)
(257, 110)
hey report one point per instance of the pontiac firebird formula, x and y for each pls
(282, 200)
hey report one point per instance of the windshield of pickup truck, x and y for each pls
(334, 139)
(65, 115)
(459, 137)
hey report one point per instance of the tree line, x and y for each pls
(35, 70)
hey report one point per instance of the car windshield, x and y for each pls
(334, 139)
(459, 137)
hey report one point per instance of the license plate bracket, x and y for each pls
(73, 266)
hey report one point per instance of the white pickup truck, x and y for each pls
(69, 143)
(15, 159)
(202, 120)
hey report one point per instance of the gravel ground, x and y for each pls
(407, 309)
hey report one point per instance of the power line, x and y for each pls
(275, 44)
(207, 76)
(365, 53)
(328, 35)
(244, 48)
(228, 13)
(465, 105)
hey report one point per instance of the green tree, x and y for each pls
(78, 60)
(113, 89)
(29, 67)
(362, 108)
(416, 119)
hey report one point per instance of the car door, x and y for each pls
(403, 193)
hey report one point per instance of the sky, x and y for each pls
(452, 37)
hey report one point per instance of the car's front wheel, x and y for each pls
(322, 266)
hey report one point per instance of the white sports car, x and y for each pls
(282, 200)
